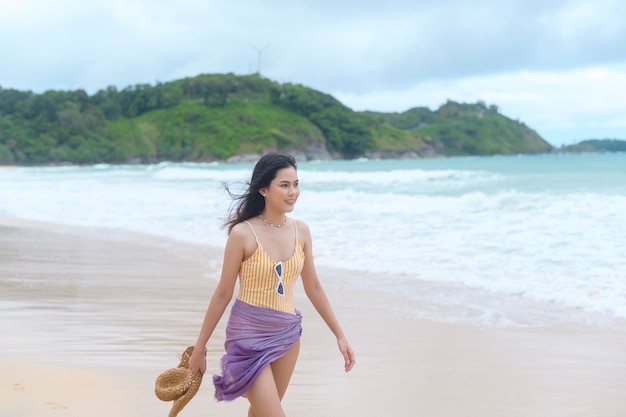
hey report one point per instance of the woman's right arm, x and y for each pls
(233, 256)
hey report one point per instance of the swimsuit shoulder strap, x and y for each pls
(252, 228)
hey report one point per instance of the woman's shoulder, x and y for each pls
(239, 227)
(241, 231)
(242, 237)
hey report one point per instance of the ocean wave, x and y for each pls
(551, 236)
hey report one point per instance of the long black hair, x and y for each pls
(250, 203)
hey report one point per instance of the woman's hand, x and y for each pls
(197, 361)
(347, 352)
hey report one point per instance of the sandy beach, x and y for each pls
(90, 317)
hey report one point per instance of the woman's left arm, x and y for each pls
(315, 292)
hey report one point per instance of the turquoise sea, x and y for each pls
(508, 240)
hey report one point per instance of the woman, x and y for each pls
(267, 251)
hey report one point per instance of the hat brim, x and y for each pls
(173, 383)
(181, 402)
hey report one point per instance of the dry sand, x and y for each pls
(89, 318)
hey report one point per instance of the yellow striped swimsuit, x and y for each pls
(259, 282)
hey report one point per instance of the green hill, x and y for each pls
(596, 145)
(467, 129)
(220, 116)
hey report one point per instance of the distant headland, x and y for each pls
(225, 117)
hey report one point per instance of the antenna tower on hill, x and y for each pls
(259, 58)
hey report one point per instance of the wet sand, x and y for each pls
(90, 317)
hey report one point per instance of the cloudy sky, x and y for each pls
(557, 65)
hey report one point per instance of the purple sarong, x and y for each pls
(255, 337)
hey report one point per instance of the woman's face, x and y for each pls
(283, 191)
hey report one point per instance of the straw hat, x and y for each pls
(178, 384)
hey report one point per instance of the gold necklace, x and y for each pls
(272, 224)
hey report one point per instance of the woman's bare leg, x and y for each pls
(283, 368)
(263, 396)
(270, 386)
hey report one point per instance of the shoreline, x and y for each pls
(301, 157)
(464, 305)
(106, 314)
